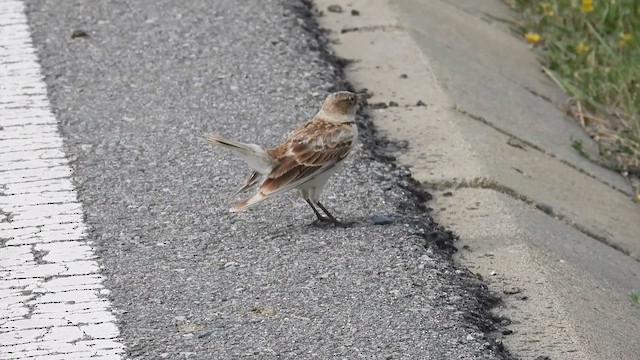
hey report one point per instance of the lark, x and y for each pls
(305, 160)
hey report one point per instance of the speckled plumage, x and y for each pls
(307, 157)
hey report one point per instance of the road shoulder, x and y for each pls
(485, 135)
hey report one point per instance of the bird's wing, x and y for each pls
(309, 151)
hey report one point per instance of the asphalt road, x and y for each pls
(189, 279)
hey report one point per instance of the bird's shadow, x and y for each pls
(352, 223)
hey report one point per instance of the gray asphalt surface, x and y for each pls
(189, 279)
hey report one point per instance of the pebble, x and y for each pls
(380, 219)
(511, 290)
(79, 33)
(402, 144)
(264, 311)
(378, 105)
(334, 8)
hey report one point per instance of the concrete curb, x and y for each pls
(555, 234)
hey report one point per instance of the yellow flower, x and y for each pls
(547, 9)
(587, 6)
(624, 38)
(638, 197)
(581, 48)
(532, 37)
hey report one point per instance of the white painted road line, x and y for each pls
(52, 301)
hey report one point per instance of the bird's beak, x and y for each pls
(362, 97)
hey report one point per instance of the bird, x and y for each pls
(305, 160)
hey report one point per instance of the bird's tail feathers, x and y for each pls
(246, 203)
(254, 155)
(251, 181)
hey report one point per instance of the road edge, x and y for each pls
(478, 307)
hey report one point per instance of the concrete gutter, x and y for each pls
(556, 235)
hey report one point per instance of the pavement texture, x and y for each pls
(52, 303)
(135, 89)
(483, 129)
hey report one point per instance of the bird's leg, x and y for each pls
(324, 209)
(320, 217)
(332, 218)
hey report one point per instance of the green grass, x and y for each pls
(635, 299)
(577, 145)
(593, 53)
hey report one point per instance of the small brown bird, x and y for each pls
(305, 160)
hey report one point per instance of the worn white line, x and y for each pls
(52, 301)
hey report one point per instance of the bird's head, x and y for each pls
(342, 105)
